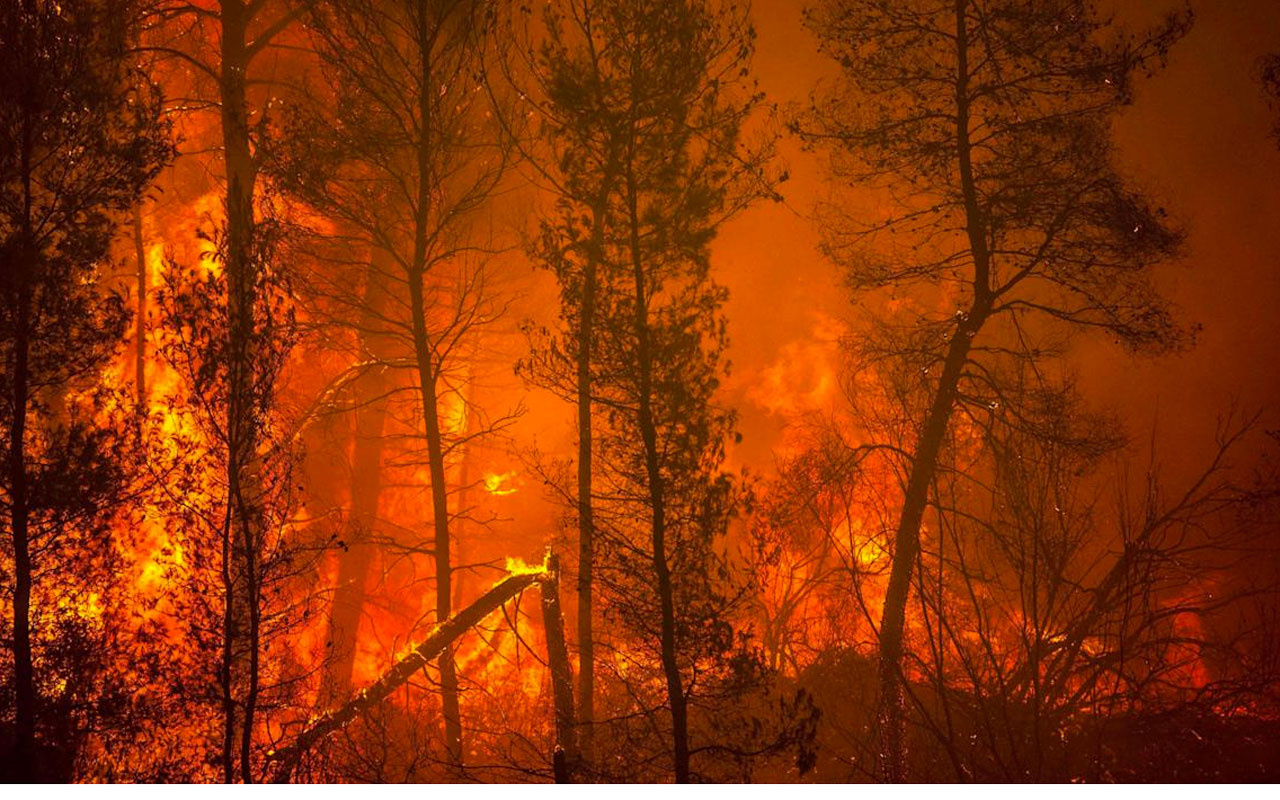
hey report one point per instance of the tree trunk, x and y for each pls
(366, 487)
(427, 382)
(140, 320)
(906, 548)
(23, 672)
(354, 562)
(586, 513)
(240, 577)
(657, 501)
(924, 462)
(348, 598)
(424, 355)
(566, 747)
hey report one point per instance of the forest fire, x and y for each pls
(367, 413)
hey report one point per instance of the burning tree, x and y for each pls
(228, 325)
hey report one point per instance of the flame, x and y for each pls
(801, 380)
(498, 484)
(89, 609)
(517, 566)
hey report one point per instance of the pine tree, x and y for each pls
(80, 139)
(645, 104)
(987, 122)
(399, 148)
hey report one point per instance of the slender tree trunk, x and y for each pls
(354, 562)
(241, 625)
(933, 432)
(140, 320)
(226, 660)
(424, 355)
(23, 671)
(657, 501)
(427, 381)
(586, 512)
(906, 548)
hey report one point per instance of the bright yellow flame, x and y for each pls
(499, 484)
(89, 610)
(517, 566)
(862, 546)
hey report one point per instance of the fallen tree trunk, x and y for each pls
(287, 758)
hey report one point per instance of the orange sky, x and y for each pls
(1197, 137)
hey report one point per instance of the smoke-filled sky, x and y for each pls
(1197, 137)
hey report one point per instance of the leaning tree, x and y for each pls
(983, 128)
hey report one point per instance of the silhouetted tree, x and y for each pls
(80, 140)
(644, 108)
(222, 47)
(986, 122)
(584, 136)
(401, 149)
